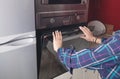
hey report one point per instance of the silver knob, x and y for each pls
(78, 17)
(52, 20)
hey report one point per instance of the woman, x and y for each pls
(105, 57)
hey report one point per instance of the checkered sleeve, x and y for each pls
(86, 57)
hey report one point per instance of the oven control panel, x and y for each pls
(51, 20)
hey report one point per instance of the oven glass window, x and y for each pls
(64, 1)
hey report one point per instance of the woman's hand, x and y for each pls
(57, 40)
(87, 34)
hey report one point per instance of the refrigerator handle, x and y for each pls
(21, 40)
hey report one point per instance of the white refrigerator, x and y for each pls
(17, 40)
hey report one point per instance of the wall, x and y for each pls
(92, 8)
(107, 11)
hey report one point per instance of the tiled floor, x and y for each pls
(80, 74)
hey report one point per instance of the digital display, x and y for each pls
(64, 1)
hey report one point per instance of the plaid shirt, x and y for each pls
(105, 57)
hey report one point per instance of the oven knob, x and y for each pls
(52, 20)
(78, 17)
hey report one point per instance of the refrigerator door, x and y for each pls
(17, 45)
(16, 16)
(18, 61)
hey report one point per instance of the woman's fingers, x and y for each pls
(83, 30)
(86, 28)
(87, 34)
(57, 35)
(60, 34)
(53, 34)
(57, 40)
(82, 36)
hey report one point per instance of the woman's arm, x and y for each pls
(86, 57)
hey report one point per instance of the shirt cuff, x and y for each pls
(103, 39)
